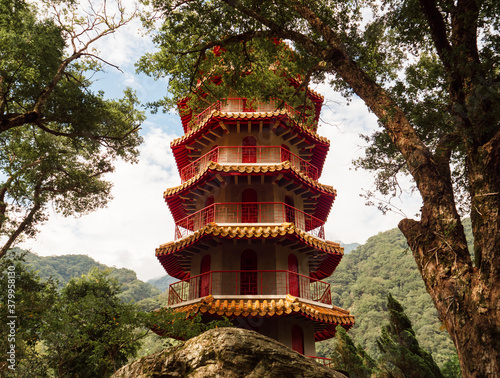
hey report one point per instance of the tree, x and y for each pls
(57, 137)
(87, 329)
(25, 301)
(91, 332)
(428, 69)
(401, 354)
(451, 368)
(350, 358)
(169, 323)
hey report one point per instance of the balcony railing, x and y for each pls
(237, 213)
(322, 361)
(249, 282)
(249, 155)
(238, 105)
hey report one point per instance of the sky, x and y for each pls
(137, 220)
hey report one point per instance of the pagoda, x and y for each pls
(249, 221)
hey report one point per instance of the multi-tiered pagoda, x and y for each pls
(250, 213)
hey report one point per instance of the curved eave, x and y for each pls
(323, 204)
(324, 255)
(329, 317)
(185, 113)
(319, 151)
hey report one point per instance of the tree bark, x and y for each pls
(27, 221)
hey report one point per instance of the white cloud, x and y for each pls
(126, 233)
(350, 219)
(126, 45)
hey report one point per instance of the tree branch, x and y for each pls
(11, 120)
(86, 135)
(28, 220)
(443, 152)
(439, 33)
(96, 19)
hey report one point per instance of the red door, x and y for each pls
(293, 278)
(297, 339)
(249, 210)
(205, 278)
(248, 275)
(249, 151)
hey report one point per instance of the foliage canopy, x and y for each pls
(58, 138)
(402, 355)
(88, 328)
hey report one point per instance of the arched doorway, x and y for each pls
(297, 339)
(289, 209)
(293, 278)
(205, 280)
(249, 150)
(248, 274)
(249, 206)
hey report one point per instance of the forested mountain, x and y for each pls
(63, 268)
(348, 247)
(384, 264)
(162, 283)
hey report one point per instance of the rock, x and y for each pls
(228, 353)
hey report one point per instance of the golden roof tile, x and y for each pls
(246, 115)
(248, 169)
(248, 232)
(256, 307)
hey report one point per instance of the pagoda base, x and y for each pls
(279, 328)
(279, 318)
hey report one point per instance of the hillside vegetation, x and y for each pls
(384, 264)
(63, 268)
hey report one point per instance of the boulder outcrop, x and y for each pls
(228, 353)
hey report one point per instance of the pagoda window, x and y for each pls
(249, 206)
(249, 150)
(205, 268)
(293, 277)
(248, 274)
(289, 209)
(297, 339)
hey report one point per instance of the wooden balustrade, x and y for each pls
(322, 361)
(248, 283)
(240, 105)
(242, 213)
(249, 155)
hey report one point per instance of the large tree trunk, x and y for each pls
(466, 296)
(467, 304)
